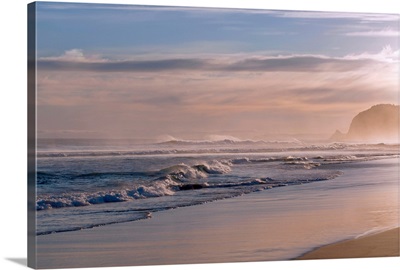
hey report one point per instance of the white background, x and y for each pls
(13, 100)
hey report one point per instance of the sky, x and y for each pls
(125, 71)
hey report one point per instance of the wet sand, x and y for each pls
(384, 244)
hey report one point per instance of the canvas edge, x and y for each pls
(31, 116)
(31, 89)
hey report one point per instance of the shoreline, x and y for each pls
(382, 244)
(270, 225)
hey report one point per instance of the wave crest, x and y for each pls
(171, 179)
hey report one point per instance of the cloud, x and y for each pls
(75, 60)
(154, 103)
(206, 10)
(337, 15)
(75, 55)
(375, 33)
(118, 66)
(306, 63)
(386, 55)
(67, 132)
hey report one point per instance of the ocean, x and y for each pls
(82, 183)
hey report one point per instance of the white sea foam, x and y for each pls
(305, 164)
(85, 199)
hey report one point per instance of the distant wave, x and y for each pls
(214, 150)
(206, 142)
(176, 147)
(219, 140)
(227, 141)
(315, 161)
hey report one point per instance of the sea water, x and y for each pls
(83, 184)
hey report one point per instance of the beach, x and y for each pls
(384, 244)
(276, 224)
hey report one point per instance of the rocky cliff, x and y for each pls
(380, 123)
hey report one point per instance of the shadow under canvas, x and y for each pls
(20, 261)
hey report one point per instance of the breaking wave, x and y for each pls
(169, 181)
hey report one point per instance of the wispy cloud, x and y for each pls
(75, 60)
(75, 55)
(375, 33)
(274, 33)
(121, 66)
(296, 63)
(337, 15)
(387, 54)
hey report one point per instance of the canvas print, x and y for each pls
(173, 135)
